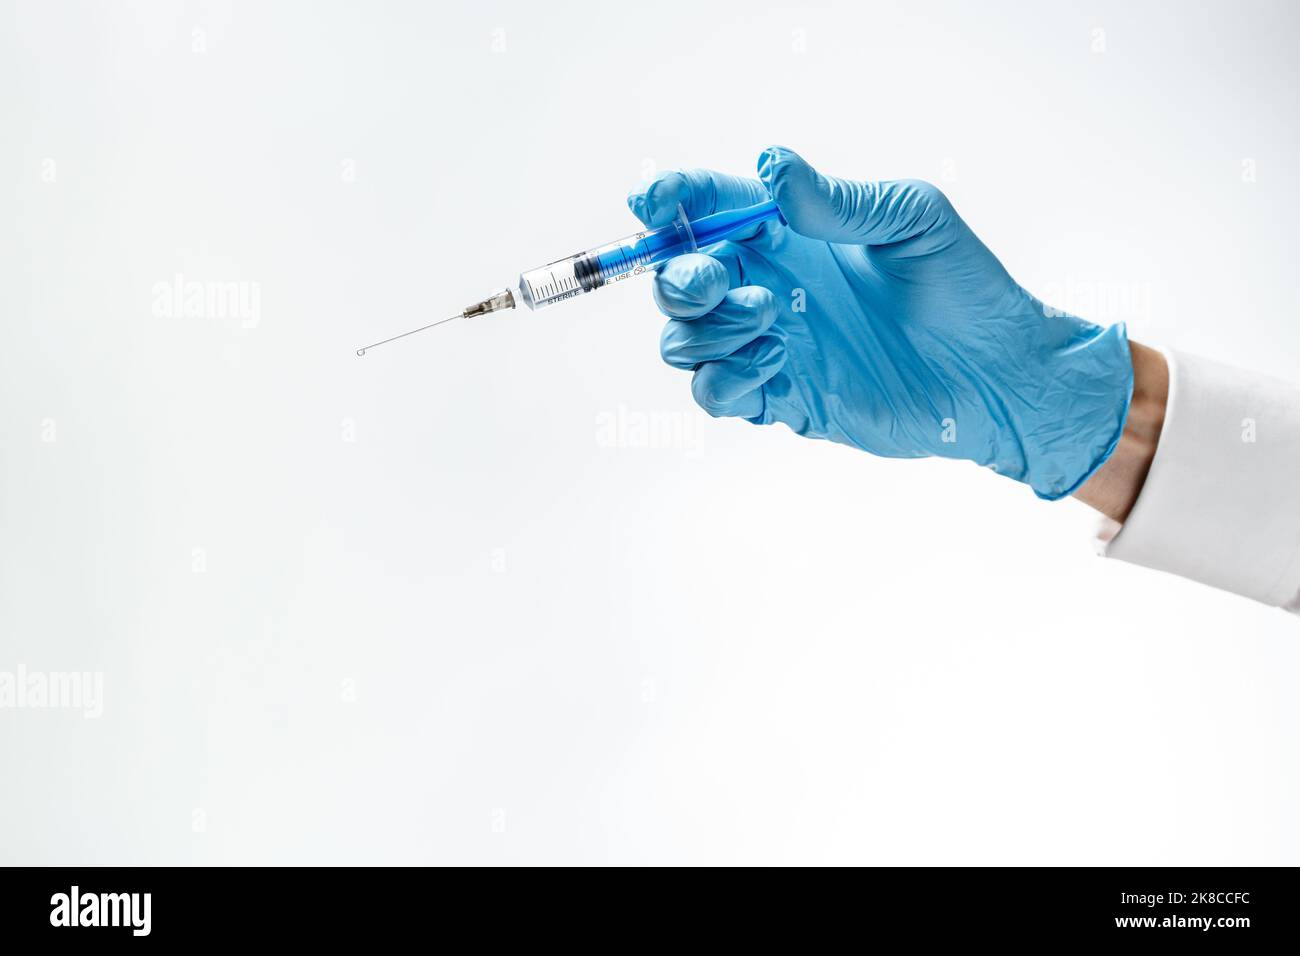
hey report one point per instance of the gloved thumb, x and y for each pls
(846, 211)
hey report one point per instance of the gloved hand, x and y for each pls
(876, 318)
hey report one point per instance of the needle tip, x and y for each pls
(458, 315)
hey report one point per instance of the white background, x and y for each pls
(447, 602)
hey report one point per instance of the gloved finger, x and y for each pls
(840, 210)
(733, 386)
(742, 316)
(732, 256)
(689, 286)
(701, 192)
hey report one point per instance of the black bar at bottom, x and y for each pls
(1225, 907)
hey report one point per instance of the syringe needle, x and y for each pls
(362, 351)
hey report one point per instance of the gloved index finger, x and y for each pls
(690, 286)
(701, 192)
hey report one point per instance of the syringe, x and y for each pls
(613, 262)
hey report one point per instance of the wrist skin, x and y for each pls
(1115, 486)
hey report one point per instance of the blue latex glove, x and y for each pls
(879, 320)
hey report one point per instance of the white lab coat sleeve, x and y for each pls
(1221, 504)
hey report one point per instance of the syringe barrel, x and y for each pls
(615, 261)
